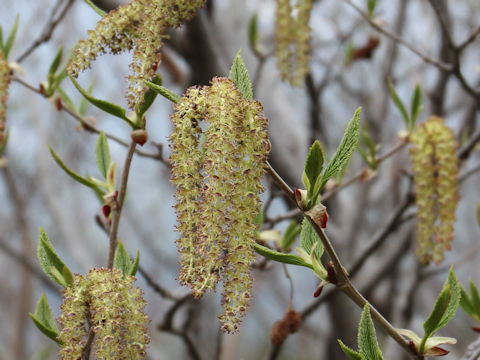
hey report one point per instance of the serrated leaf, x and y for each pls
(367, 339)
(398, 103)
(96, 8)
(239, 74)
(122, 259)
(309, 238)
(371, 7)
(50, 261)
(104, 105)
(352, 354)
(166, 93)
(444, 309)
(134, 267)
(253, 34)
(55, 64)
(148, 98)
(416, 106)
(11, 38)
(43, 313)
(75, 175)
(314, 166)
(281, 257)
(345, 150)
(102, 154)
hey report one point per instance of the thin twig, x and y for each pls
(158, 289)
(48, 31)
(117, 209)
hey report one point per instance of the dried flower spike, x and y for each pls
(293, 37)
(435, 168)
(218, 172)
(114, 310)
(139, 26)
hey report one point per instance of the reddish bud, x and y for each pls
(440, 352)
(59, 104)
(332, 276)
(476, 329)
(106, 210)
(140, 136)
(318, 291)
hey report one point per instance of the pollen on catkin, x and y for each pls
(5, 77)
(107, 300)
(217, 167)
(435, 168)
(139, 26)
(292, 38)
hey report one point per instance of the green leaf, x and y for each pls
(53, 266)
(148, 98)
(372, 4)
(466, 303)
(345, 150)
(398, 103)
(367, 339)
(290, 235)
(82, 108)
(253, 34)
(102, 153)
(313, 167)
(134, 267)
(166, 93)
(444, 309)
(239, 73)
(416, 106)
(281, 257)
(2, 45)
(103, 105)
(122, 259)
(475, 296)
(96, 8)
(352, 354)
(309, 238)
(66, 99)
(11, 38)
(75, 175)
(44, 321)
(55, 64)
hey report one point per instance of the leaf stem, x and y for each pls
(117, 211)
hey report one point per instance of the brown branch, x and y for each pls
(117, 209)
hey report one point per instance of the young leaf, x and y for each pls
(416, 106)
(103, 105)
(53, 266)
(367, 339)
(281, 257)
(82, 108)
(253, 34)
(309, 238)
(475, 296)
(96, 8)
(11, 38)
(444, 309)
(290, 235)
(44, 320)
(466, 303)
(75, 175)
(239, 73)
(314, 166)
(134, 267)
(102, 152)
(148, 98)
(66, 99)
(166, 93)
(398, 103)
(371, 7)
(122, 259)
(352, 354)
(55, 64)
(345, 150)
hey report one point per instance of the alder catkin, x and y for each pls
(435, 168)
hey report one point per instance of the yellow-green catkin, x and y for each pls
(292, 37)
(5, 77)
(222, 166)
(435, 168)
(107, 300)
(138, 26)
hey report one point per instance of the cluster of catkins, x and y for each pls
(114, 310)
(435, 168)
(139, 25)
(5, 77)
(293, 35)
(219, 148)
